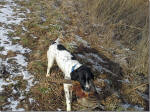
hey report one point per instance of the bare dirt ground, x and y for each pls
(112, 43)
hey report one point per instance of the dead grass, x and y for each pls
(48, 97)
(126, 22)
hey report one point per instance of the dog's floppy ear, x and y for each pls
(91, 74)
(74, 75)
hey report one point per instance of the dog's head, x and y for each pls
(84, 75)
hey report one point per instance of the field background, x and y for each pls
(109, 36)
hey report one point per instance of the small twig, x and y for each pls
(137, 87)
(130, 26)
(51, 78)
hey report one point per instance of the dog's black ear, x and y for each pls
(91, 74)
(74, 75)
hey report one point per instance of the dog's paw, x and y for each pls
(68, 108)
(47, 75)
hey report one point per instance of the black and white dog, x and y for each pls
(71, 68)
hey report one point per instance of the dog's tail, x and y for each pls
(60, 38)
(57, 40)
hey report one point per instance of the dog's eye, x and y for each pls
(82, 79)
(88, 79)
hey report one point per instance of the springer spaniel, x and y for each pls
(71, 68)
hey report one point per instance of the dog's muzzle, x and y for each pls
(90, 87)
(87, 89)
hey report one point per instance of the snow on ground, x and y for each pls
(79, 39)
(10, 17)
(136, 107)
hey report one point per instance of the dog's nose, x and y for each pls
(87, 89)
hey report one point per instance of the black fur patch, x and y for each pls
(61, 47)
(73, 57)
(53, 42)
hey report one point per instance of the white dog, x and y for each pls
(71, 68)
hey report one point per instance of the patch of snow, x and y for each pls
(95, 65)
(34, 36)
(24, 29)
(98, 89)
(13, 105)
(125, 106)
(136, 107)
(127, 49)
(16, 38)
(73, 44)
(8, 17)
(108, 71)
(95, 56)
(27, 76)
(139, 108)
(21, 60)
(79, 39)
(124, 81)
(144, 96)
(14, 91)
(6, 42)
(43, 19)
(5, 83)
(28, 11)
(104, 80)
(81, 56)
(90, 60)
(21, 97)
(31, 100)
(15, 48)
(98, 25)
(1, 68)
(127, 80)
(98, 68)
(59, 109)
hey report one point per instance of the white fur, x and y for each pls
(65, 63)
(63, 59)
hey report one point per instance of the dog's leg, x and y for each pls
(50, 62)
(68, 95)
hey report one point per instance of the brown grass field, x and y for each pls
(115, 30)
